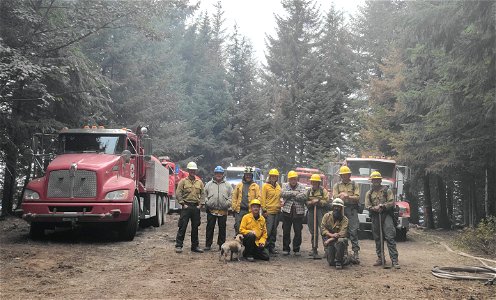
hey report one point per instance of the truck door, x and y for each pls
(131, 170)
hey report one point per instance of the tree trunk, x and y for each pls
(491, 190)
(414, 213)
(443, 220)
(428, 217)
(449, 201)
(9, 181)
(466, 201)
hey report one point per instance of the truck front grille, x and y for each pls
(82, 184)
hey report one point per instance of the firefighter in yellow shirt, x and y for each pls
(271, 207)
(254, 231)
(349, 192)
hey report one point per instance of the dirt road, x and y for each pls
(93, 265)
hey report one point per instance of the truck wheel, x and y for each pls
(401, 235)
(37, 231)
(128, 228)
(165, 211)
(157, 220)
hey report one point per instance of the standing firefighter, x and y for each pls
(379, 201)
(293, 212)
(217, 201)
(349, 192)
(271, 206)
(254, 231)
(190, 194)
(317, 205)
(244, 192)
(334, 231)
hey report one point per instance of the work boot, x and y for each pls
(396, 265)
(250, 259)
(339, 266)
(273, 251)
(297, 253)
(356, 257)
(207, 248)
(197, 250)
(378, 262)
(285, 253)
(179, 249)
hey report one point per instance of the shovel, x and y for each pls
(383, 259)
(315, 241)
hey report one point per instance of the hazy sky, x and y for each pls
(255, 18)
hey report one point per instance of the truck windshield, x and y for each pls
(234, 175)
(91, 143)
(364, 168)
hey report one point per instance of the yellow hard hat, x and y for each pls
(274, 172)
(315, 177)
(344, 170)
(375, 175)
(255, 201)
(337, 202)
(292, 174)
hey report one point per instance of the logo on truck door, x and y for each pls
(131, 170)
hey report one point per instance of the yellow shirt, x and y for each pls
(253, 193)
(377, 197)
(190, 191)
(271, 197)
(249, 223)
(347, 188)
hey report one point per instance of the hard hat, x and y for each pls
(219, 169)
(192, 166)
(338, 202)
(248, 170)
(274, 172)
(292, 174)
(375, 175)
(315, 177)
(255, 201)
(344, 170)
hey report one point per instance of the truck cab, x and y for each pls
(98, 175)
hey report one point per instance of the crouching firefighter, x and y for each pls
(379, 201)
(334, 230)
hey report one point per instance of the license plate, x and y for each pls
(69, 219)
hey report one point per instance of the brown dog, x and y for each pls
(234, 246)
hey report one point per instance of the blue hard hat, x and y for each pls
(219, 169)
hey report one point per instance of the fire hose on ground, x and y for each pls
(470, 273)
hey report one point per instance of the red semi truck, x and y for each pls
(99, 176)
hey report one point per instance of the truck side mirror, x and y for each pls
(126, 155)
(147, 145)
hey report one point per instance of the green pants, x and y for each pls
(351, 212)
(389, 233)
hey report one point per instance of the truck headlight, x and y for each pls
(117, 195)
(30, 195)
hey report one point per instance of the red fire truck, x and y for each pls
(394, 177)
(99, 176)
(304, 175)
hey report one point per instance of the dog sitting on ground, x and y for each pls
(234, 246)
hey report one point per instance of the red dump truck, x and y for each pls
(99, 176)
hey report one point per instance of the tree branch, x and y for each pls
(86, 35)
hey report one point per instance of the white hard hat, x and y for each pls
(192, 166)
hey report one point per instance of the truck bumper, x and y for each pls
(76, 212)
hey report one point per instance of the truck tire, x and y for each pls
(157, 220)
(401, 235)
(37, 231)
(128, 228)
(165, 211)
